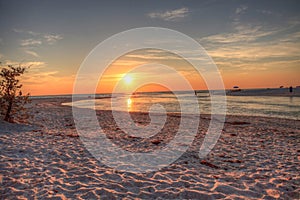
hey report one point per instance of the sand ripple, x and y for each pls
(256, 159)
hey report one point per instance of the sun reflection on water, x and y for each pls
(129, 103)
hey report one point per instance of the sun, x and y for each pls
(128, 79)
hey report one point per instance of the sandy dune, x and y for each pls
(254, 158)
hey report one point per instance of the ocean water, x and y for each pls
(268, 106)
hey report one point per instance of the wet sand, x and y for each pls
(255, 158)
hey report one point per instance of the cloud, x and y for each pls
(27, 32)
(252, 42)
(262, 55)
(18, 30)
(52, 38)
(254, 47)
(127, 63)
(48, 38)
(33, 33)
(37, 38)
(34, 40)
(154, 56)
(33, 64)
(243, 33)
(257, 51)
(37, 72)
(162, 55)
(241, 9)
(265, 12)
(170, 15)
(30, 42)
(292, 37)
(38, 77)
(239, 12)
(31, 53)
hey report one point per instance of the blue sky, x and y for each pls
(246, 39)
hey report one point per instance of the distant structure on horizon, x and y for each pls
(234, 89)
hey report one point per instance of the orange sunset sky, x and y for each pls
(255, 44)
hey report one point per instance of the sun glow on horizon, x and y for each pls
(128, 79)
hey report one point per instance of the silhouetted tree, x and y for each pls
(12, 100)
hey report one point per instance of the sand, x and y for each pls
(255, 158)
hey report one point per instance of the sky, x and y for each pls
(255, 44)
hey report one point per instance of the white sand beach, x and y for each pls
(255, 158)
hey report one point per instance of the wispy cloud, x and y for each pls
(30, 42)
(31, 53)
(238, 14)
(241, 9)
(34, 65)
(18, 30)
(39, 77)
(127, 62)
(26, 32)
(37, 73)
(33, 33)
(255, 55)
(265, 12)
(34, 40)
(253, 52)
(38, 38)
(52, 38)
(254, 46)
(170, 15)
(292, 37)
(242, 33)
(153, 56)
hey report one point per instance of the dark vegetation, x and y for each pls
(12, 100)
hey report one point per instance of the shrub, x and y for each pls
(12, 100)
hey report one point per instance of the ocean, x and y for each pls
(267, 106)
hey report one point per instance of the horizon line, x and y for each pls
(206, 90)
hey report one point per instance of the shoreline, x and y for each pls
(255, 157)
(69, 104)
(268, 92)
(275, 92)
